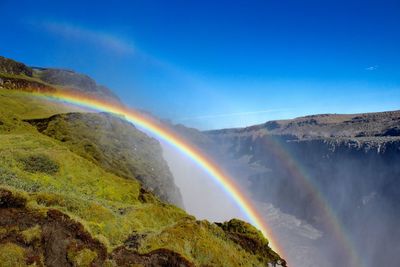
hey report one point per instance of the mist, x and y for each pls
(353, 224)
(204, 199)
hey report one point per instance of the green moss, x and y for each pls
(82, 258)
(250, 239)
(107, 204)
(20, 105)
(31, 234)
(201, 242)
(110, 263)
(12, 255)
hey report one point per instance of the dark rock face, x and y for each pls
(394, 131)
(344, 170)
(12, 67)
(353, 161)
(25, 85)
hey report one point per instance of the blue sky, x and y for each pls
(216, 64)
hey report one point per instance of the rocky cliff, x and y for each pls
(359, 150)
(351, 161)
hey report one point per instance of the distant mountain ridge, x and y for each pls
(377, 124)
(16, 75)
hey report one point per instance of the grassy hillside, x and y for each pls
(48, 174)
(116, 146)
(71, 196)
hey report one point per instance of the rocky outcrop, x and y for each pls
(13, 67)
(25, 85)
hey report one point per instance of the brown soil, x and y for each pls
(61, 236)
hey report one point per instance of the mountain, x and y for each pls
(90, 189)
(16, 75)
(350, 161)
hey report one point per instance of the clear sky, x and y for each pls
(215, 64)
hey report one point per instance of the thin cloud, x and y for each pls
(235, 114)
(74, 32)
(372, 68)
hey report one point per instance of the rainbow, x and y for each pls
(160, 131)
(297, 172)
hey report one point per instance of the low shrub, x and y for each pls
(39, 163)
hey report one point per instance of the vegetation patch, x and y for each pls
(82, 258)
(39, 163)
(32, 234)
(12, 179)
(242, 229)
(250, 239)
(12, 255)
(116, 146)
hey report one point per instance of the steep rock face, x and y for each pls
(351, 161)
(345, 170)
(115, 145)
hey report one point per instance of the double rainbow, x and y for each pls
(162, 132)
